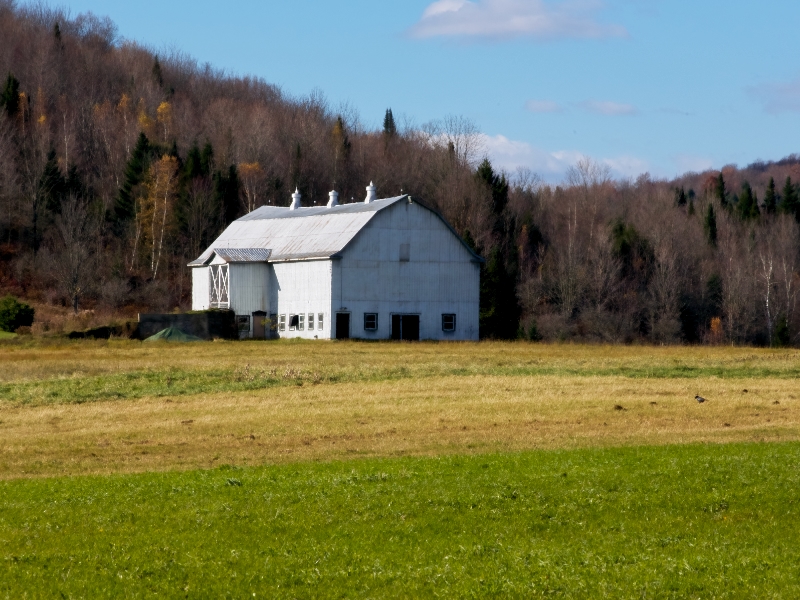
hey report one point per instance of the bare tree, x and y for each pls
(72, 260)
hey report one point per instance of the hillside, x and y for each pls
(117, 167)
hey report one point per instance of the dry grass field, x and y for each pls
(121, 406)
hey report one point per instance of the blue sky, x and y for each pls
(642, 85)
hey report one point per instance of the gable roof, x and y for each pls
(276, 234)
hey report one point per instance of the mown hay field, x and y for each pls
(121, 406)
(397, 470)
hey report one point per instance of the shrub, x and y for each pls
(14, 314)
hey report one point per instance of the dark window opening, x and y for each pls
(294, 322)
(370, 321)
(448, 323)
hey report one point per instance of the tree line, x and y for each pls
(119, 166)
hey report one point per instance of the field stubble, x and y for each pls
(126, 407)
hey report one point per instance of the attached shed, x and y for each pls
(381, 269)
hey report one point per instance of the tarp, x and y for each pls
(173, 334)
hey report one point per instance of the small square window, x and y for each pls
(370, 321)
(320, 319)
(294, 322)
(282, 323)
(302, 319)
(405, 252)
(448, 323)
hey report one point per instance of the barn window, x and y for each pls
(311, 321)
(370, 321)
(405, 252)
(294, 322)
(448, 323)
(282, 323)
(302, 319)
(320, 318)
(218, 290)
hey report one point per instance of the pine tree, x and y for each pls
(747, 207)
(389, 127)
(790, 204)
(770, 199)
(710, 226)
(194, 163)
(207, 159)
(226, 193)
(720, 192)
(499, 307)
(10, 97)
(497, 184)
(52, 184)
(135, 171)
(680, 196)
(158, 76)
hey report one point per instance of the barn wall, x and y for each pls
(200, 288)
(439, 277)
(249, 289)
(303, 287)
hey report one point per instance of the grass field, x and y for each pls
(356, 469)
(710, 521)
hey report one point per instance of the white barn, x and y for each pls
(381, 269)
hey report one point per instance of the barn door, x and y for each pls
(405, 327)
(342, 326)
(259, 325)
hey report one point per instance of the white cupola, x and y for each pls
(333, 199)
(296, 199)
(372, 193)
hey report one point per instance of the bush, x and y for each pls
(14, 314)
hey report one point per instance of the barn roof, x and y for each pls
(275, 234)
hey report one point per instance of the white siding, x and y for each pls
(249, 288)
(439, 278)
(301, 288)
(200, 288)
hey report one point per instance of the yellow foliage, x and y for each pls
(145, 122)
(164, 117)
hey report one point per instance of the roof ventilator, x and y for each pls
(295, 199)
(333, 199)
(372, 193)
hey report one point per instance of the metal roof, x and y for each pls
(300, 234)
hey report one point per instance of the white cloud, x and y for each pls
(509, 155)
(778, 97)
(686, 163)
(612, 109)
(542, 106)
(504, 19)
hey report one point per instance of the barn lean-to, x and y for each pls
(388, 268)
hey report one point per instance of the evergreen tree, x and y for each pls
(720, 192)
(499, 307)
(207, 159)
(790, 204)
(51, 184)
(690, 211)
(194, 163)
(389, 128)
(135, 171)
(680, 196)
(710, 225)
(497, 184)
(770, 199)
(10, 97)
(158, 76)
(747, 207)
(226, 193)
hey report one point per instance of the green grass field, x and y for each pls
(395, 470)
(670, 522)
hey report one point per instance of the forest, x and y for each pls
(119, 165)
